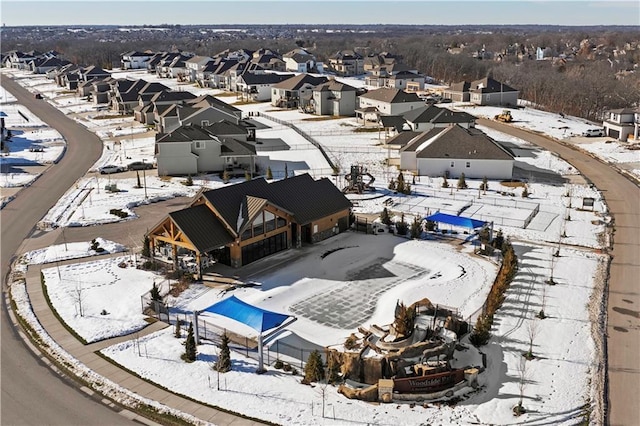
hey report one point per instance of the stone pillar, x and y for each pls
(385, 390)
(471, 376)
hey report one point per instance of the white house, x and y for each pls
(428, 117)
(453, 150)
(135, 60)
(258, 86)
(389, 101)
(299, 60)
(621, 123)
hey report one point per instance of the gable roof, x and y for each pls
(250, 78)
(334, 86)
(434, 114)
(489, 85)
(456, 142)
(402, 138)
(201, 227)
(172, 96)
(389, 95)
(296, 82)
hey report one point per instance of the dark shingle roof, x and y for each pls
(234, 148)
(402, 138)
(296, 82)
(434, 114)
(250, 78)
(334, 86)
(489, 85)
(307, 199)
(224, 127)
(201, 227)
(456, 142)
(172, 96)
(389, 95)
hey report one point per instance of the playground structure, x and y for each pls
(355, 181)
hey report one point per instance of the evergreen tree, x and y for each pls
(178, 331)
(226, 176)
(407, 188)
(333, 370)
(146, 247)
(269, 173)
(155, 293)
(247, 175)
(392, 185)
(401, 226)
(400, 186)
(314, 370)
(224, 358)
(189, 181)
(385, 217)
(416, 228)
(462, 183)
(190, 346)
(525, 192)
(445, 183)
(485, 184)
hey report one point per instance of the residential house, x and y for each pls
(375, 60)
(196, 64)
(176, 115)
(333, 98)
(135, 60)
(453, 150)
(227, 111)
(232, 74)
(346, 63)
(290, 92)
(428, 117)
(160, 103)
(257, 87)
(378, 76)
(125, 94)
(20, 60)
(44, 65)
(238, 224)
(268, 60)
(193, 149)
(458, 92)
(91, 72)
(406, 80)
(218, 77)
(387, 101)
(299, 60)
(173, 65)
(622, 123)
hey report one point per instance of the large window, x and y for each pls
(263, 223)
(263, 248)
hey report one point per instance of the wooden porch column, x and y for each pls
(174, 252)
(199, 263)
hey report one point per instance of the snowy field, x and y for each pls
(562, 379)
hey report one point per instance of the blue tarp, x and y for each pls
(256, 318)
(465, 222)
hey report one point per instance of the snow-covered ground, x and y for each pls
(562, 379)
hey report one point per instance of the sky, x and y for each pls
(155, 12)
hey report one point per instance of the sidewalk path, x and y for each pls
(86, 355)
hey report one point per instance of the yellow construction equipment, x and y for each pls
(504, 116)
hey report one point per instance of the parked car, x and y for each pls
(37, 96)
(108, 169)
(139, 165)
(593, 133)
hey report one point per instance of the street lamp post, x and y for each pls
(144, 178)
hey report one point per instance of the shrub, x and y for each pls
(525, 192)
(155, 293)
(286, 367)
(188, 181)
(482, 331)
(190, 346)
(178, 330)
(385, 217)
(484, 186)
(405, 320)
(351, 342)
(95, 246)
(314, 369)
(401, 226)
(146, 247)
(333, 370)
(269, 173)
(224, 358)
(416, 228)
(445, 183)
(119, 213)
(226, 176)
(462, 182)
(247, 175)
(278, 364)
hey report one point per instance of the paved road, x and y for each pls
(31, 393)
(623, 310)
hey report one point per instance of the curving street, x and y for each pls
(623, 308)
(32, 394)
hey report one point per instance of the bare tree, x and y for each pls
(532, 333)
(523, 379)
(541, 314)
(78, 297)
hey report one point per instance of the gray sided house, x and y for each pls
(291, 93)
(428, 117)
(453, 150)
(257, 87)
(488, 91)
(193, 149)
(458, 92)
(196, 64)
(333, 98)
(346, 63)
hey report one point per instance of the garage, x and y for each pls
(613, 133)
